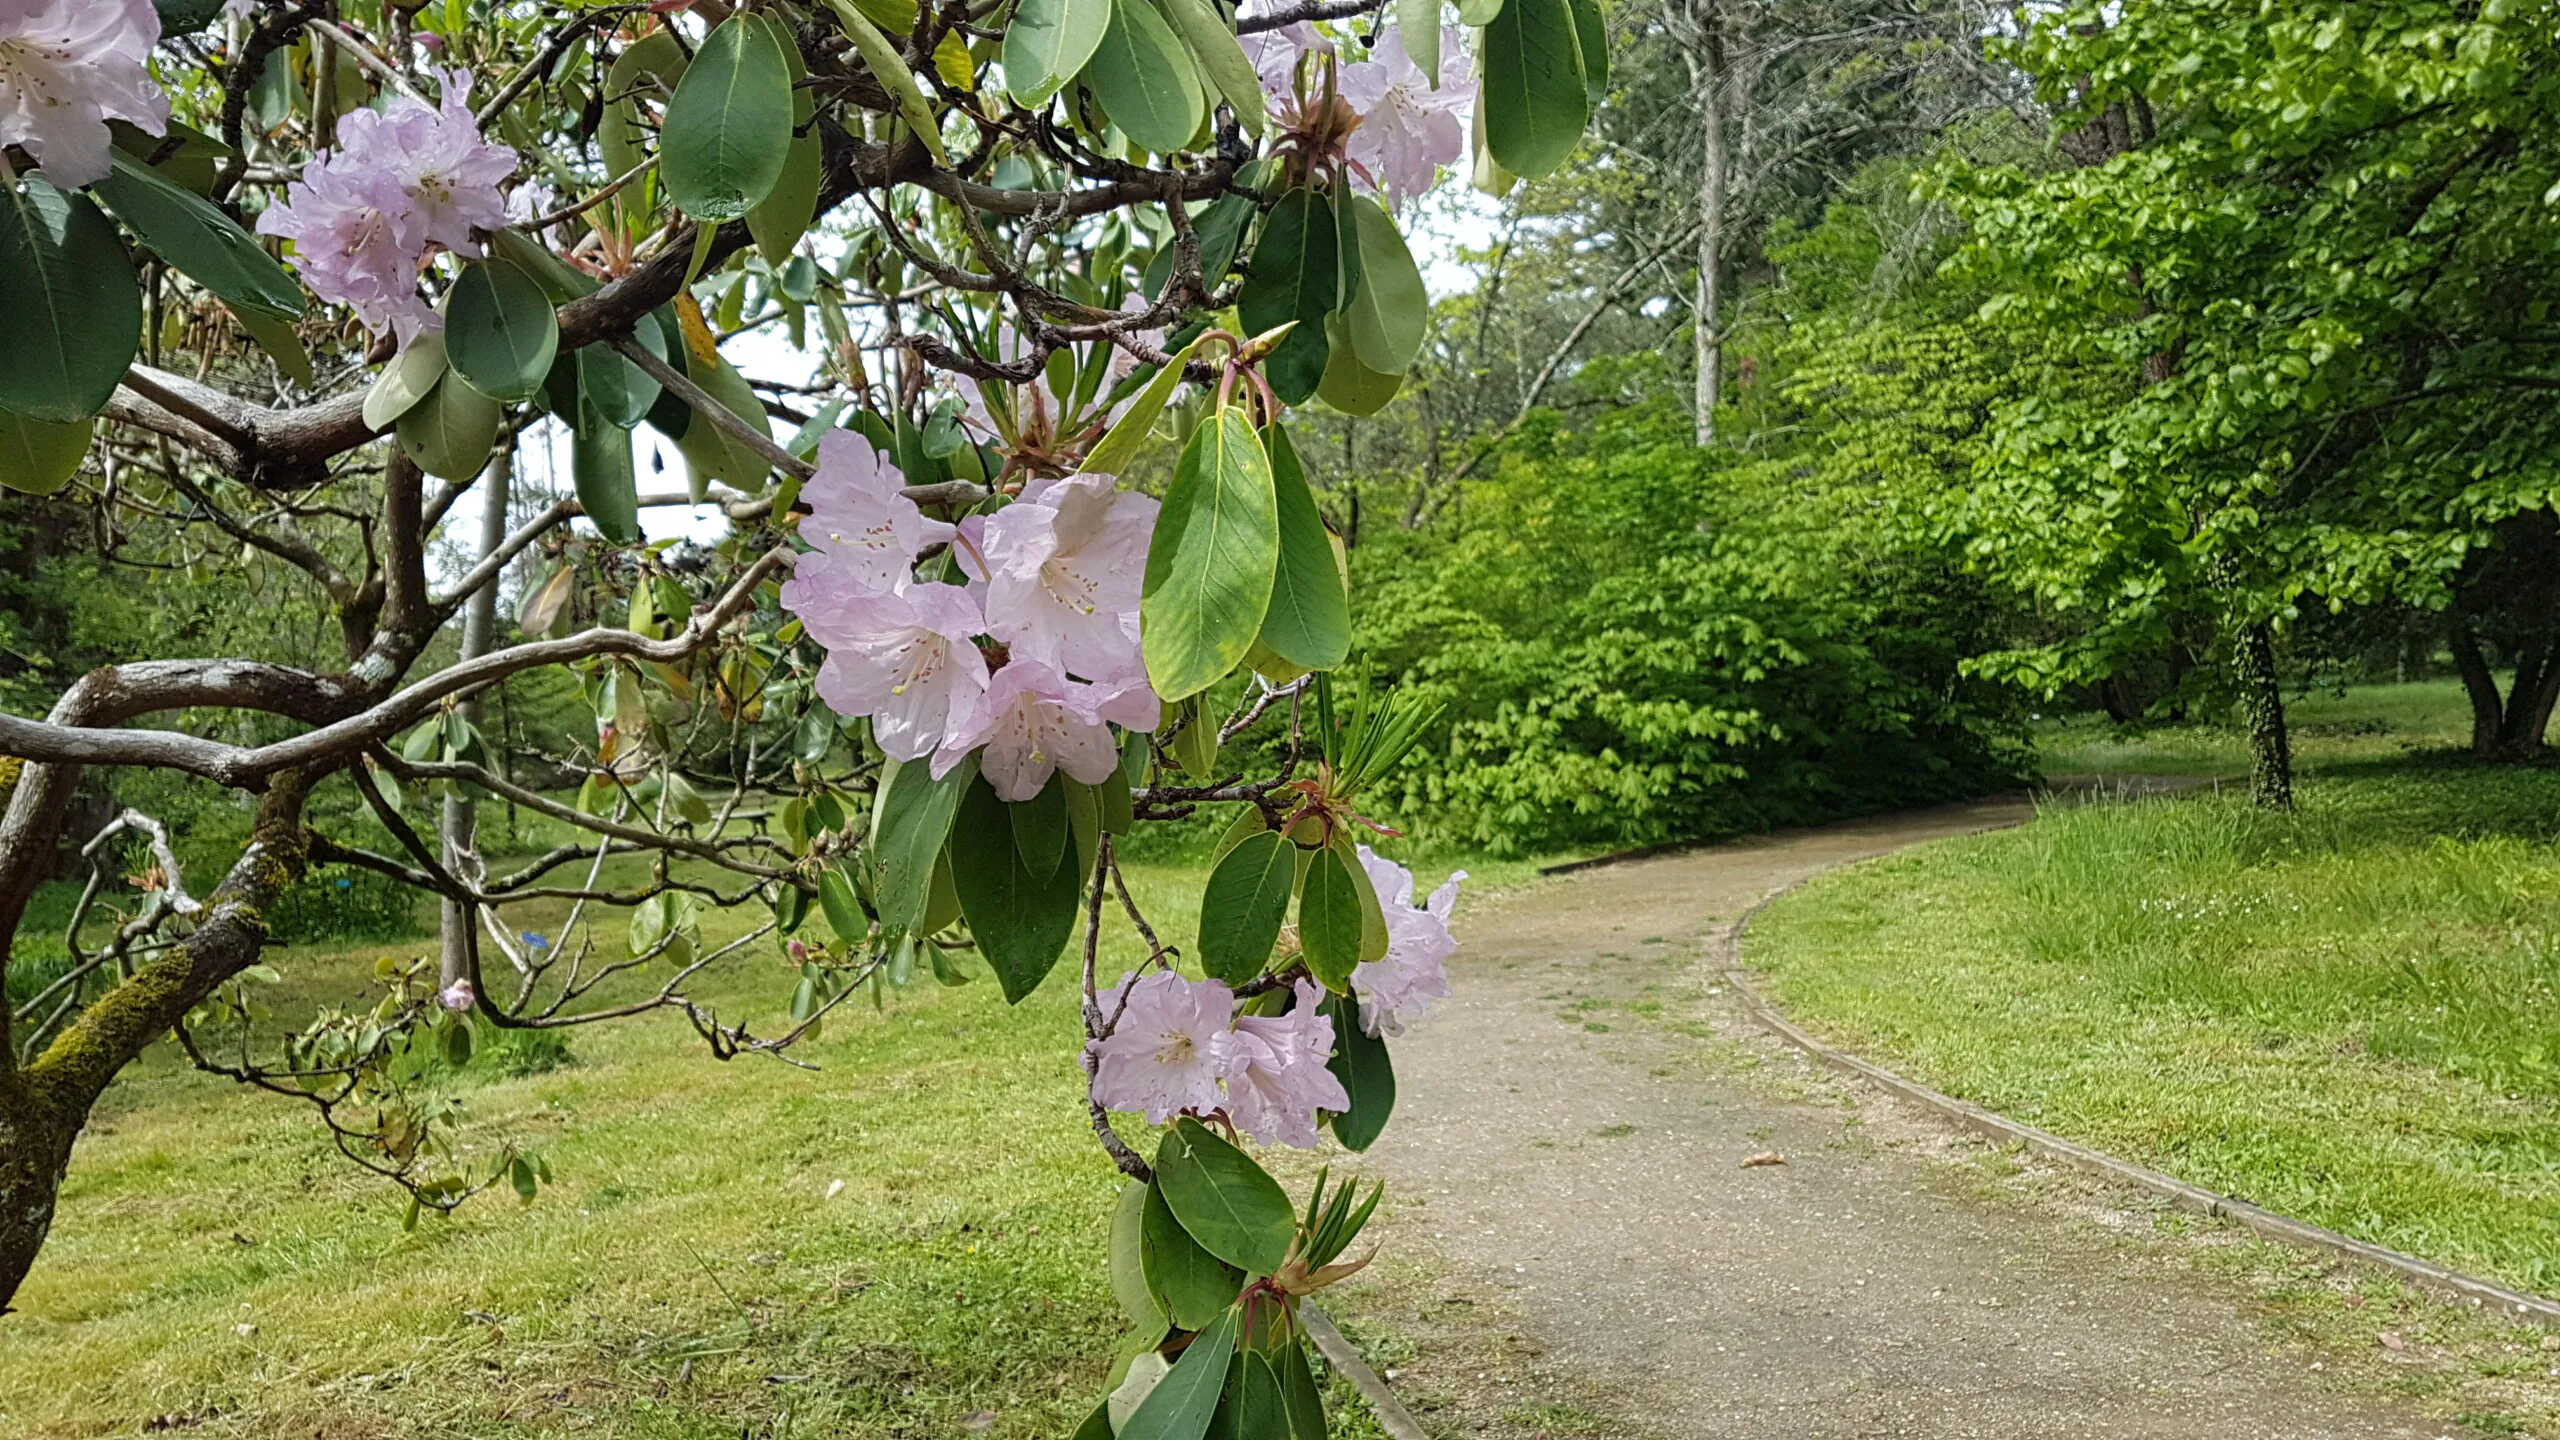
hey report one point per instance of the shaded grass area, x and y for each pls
(2329, 729)
(906, 1241)
(2351, 1015)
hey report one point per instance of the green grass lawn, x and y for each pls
(2351, 1015)
(2373, 722)
(904, 1242)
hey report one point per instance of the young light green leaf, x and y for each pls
(38, 457)
(1329, 920)
(1389, 316)
(1212, 43)
(1022, 921)
(450, 433)
(1243, 904)
(1119, 445)
(1224, 1200)
(1418, 25)
(1296, 275)
(1591, 28)
(1478, 12)
(1145, 79)
(1191, 1286)
(728, 129)
(282, 343)
(198, 240)
(1048, 42)
(1309, 623)
(1534, 99)
(1360, 1062)
(1182, 1404)
(1213, 559)
(881, 58)
(71, 310)
(500, 333)
(409, 378)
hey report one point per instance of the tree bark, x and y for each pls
(479, 628)
(2262, 696)
(1707, 83)
(2520, 730)
(2488, 710)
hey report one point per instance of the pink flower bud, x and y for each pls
(457, 997)
(799, 951)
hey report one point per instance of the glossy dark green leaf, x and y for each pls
(1227, 1203)
(1221, 228)
(1591, 28)
(790, 908)
(408, 379)
(1260, 1404)
(784, 215)
(1329, 919)
(1368, 1076)
(1296, 275)
(1047, 43)
(1309, 622)
(620, 393)
(843, 909)
(1040, 828)
(1390, 316)
(70, 309)
(1212, 562)
(1190, 1285)
(500, 332)
(1145, 79)
(1180, 1406)
(710, 450)
(1243, 905)
(910, 820)
(1534, 98)
(1206, 33)
(1096, 1426)
(38, 457)
(198, 240)
(728, 129)
(1128, 1259)
(450, 433)
(1348, 385)
(1022, 921)
(600, 465)
(1299, 1393)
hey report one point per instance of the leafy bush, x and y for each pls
(338, 902)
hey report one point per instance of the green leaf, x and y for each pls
(1261, 1410)
(1418, 25)
(1145, 79)
(910, 819)
(1373, 916)
(1309, 623)
(1296, 275)
(1119, 445)
(1048, 42)
(1360, 1062)
(1096, 1426)
(1591, 28)
(409, 378)
(198, 240)
(1191, 1286)
(1478, 12)
(1212, 43)
(1211, 565)
(1182, 1403)
(600, 465)
(1348, 385)
(1388, 318)
(282, 343)
(500, 333)
(1243, 904)
(621, 136)
(71, 309)
(882, 59)
(785, 213)
(1329, 919)
(621, 393)
(1533, 97)
(728, 129)
(1040, 828)
(1226, 1202)
(710, 451)
(843, 910)
(942, 898)
(1084, 819)
(1128, 1261)
(1298, 1390)
(38, 457)
(451, 432)
(1022, 921)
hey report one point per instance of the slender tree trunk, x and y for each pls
(1707, 84)
(2526, 710)
(2262, 696)
(35, 1150)
(479, 629)
(2488, 711)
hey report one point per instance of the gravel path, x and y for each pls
(1588, 1171)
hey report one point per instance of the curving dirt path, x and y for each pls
(1584, 1172)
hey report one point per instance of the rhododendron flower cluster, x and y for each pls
(1029, 663)
(67, 67)
(400, 180)
(1404, 127)
(1179, 1048)
(1397, 987)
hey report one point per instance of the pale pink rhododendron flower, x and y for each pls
(862, 524)
(1065, 572)
(1408, 129)
(67, 67)
(1033, 722)
(1282, 1081)
(400, 180)
(1397, 987)
(1172, 1045)
(905, 657)
(1275, 55)
(457, 997)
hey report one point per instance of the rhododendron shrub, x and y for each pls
(1033, 297)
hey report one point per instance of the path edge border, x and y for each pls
(1989, 1124)
(1344, 1356)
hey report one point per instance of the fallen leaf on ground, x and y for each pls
(2391, 1341)
(1765, 1157)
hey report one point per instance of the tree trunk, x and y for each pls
(2262, 695)
(1706, 83)
(479, 627)
(2488, 711)
(35, 1150)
